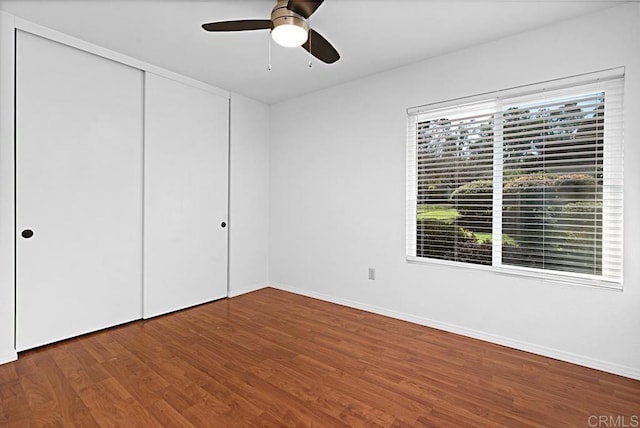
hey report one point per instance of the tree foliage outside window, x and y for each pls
(455, 160)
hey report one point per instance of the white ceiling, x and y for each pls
(371, 36)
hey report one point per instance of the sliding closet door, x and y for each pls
(186, 164)
(79, 192)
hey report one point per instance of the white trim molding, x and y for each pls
(8, 357)
(557, 354)
(235, 292)
(7, 190)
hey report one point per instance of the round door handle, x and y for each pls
(27, 233)
(223, 224)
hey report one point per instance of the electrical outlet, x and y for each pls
(372, 273)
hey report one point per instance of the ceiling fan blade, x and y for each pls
(242, 25)
(304, 7)
(319, 47)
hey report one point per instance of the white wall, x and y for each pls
(248, 195)
(337, 199)
(7, 241)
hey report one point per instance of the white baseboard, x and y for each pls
(247, 289)
(557, 354)
(7, 357)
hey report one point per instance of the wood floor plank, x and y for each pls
(13, 403)
(272, 359)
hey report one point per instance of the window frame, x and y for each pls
(603, 81)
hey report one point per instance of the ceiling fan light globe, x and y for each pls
(289, 35)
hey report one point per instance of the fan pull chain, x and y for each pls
(269, 65)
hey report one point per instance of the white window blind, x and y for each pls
(525, 181)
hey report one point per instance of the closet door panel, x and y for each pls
(79, 191)
(186, 185)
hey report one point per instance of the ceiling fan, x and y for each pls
(289, 27)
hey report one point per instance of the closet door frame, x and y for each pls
(7, 189)
(9, 24)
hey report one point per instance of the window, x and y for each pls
(525, 181)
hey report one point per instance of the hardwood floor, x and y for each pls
(271, 358)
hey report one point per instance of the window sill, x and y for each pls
(561, 278)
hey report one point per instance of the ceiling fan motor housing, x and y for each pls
(280, 15)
